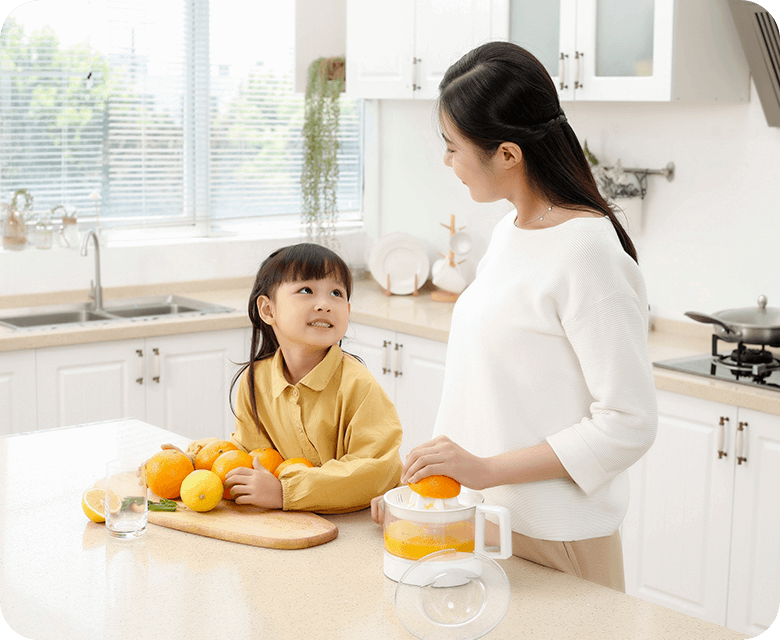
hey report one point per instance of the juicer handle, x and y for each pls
(504, 531)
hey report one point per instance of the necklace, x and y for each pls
(522, 224)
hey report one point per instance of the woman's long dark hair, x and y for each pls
(498, 93)
(305, 261)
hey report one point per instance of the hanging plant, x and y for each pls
(320, 174)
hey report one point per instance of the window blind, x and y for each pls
(180, 112)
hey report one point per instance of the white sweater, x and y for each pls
(550, 343)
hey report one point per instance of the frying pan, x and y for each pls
(755, 325)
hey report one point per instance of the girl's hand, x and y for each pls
(441, 456)
(377, 512)
(256, 486)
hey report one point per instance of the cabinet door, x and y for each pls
(380, 49)
(548, 31)
(375, 348)
(90, 383)
(17, 392)
(444, 31)
(419, 385)
(677, 530)
(754, 588)
(188, 380)
(624, 50)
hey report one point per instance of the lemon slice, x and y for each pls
(92, 502)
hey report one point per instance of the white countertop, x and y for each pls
(62, 576)
(416, 315)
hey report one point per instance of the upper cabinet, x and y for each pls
(644, 50)
(605, 50)
(402, 49)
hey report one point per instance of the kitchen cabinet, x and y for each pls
(17, 392)
(702, 533)
(177, 382)
(411, 371)
(402, 49)
(646, 50)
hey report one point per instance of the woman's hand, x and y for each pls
(256, 486)
(441, 456)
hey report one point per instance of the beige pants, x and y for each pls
(598, 560)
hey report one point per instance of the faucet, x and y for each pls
(96, 291)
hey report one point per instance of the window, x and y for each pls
(174, 112)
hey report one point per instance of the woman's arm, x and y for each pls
(441, 456)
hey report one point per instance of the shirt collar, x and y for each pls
(317, 379)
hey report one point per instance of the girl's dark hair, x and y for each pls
(498, 93)
(305, 261)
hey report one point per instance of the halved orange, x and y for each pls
(436, 487)
(92, 502)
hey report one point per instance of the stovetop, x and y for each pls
(719, 365)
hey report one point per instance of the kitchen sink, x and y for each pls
(134, 309)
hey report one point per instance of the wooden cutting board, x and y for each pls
(247, 524)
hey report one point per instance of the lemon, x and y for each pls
(201, 490)
(92, 501)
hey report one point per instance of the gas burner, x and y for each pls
(756, 364)
(743, 355)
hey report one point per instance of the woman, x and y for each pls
(548, 391)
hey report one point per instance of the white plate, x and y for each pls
(402, 257)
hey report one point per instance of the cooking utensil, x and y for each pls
(412, 533)
(251, 525)
(754, 325)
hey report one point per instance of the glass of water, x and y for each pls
(125, 517)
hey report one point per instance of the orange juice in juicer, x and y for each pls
(415, 527)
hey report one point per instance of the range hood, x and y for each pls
(761, 42)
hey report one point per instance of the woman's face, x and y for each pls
(468, 164)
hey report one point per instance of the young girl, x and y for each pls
(301, 395)
(548, 391)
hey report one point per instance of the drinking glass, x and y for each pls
(127, 518)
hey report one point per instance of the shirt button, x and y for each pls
(295, 392)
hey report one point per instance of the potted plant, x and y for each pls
(617, 186)
(320, 174)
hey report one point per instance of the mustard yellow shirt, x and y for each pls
(338, 417)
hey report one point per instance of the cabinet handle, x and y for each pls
(740, 442)
(397, 360)
(722, 453)
(577, 69)
(562, 71)
(415, 74)
(156, 376)
(140, 354)
(386, 357)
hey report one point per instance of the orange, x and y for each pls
(288, 463)
(201, 490)
(227, 462)
(269, 458)
(210, 452)
(166, 470)
(436, 487)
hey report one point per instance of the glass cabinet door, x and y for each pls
(624, 38)
(624, 49)
(547, 29)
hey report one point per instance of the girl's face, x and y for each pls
(307, 313)
(468, 164)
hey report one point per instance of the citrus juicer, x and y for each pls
(415, 527)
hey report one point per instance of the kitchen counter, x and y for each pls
(64, 577)
(416, 315)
